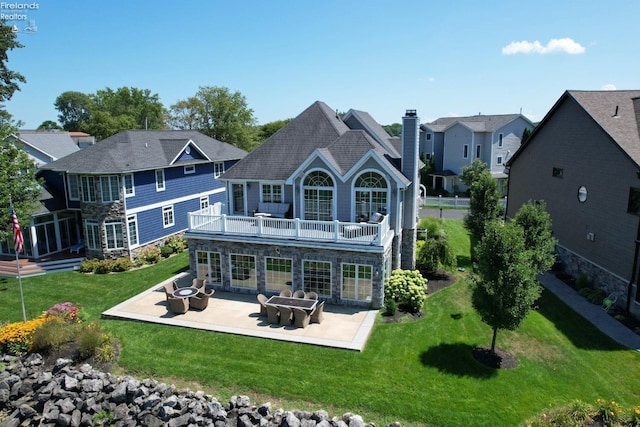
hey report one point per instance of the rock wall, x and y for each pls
(70, 396)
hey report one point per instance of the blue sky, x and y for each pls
(444, 59)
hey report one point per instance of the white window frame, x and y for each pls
(73, 182)
(271, 275)
(160, 182)
(271, 193)
(88, 188)
(92, 235)
(132, 235)
(129, 185)
(238, 281)
(357, 279)
(306, 278)
(111, 235)
(168, 217)
(204, 270)
(189, 169)
(204, 202)
(499, 160)
(218, 169)
(500, 142)
(107, 183)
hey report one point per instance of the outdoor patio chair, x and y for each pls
(262, 299)
(273, 314)
(201, 300)
(311, 295)
(317, 315)
(178, 305)
(301, 318)
(286, 315)
(285, 293)
(198, 283)
(169, 288)
(298, 294)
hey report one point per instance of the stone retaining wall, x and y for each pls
(70, 396)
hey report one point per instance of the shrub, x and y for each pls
(390, 307)
(166, 251)
(90, 339)
(150, 255)
(105, 266)
(594, 296)
(52, 335)
(122, 264)
(609, 412)
(434, 254)
(582, 281)
(407, 288)
(89, 265)
(177, 243)
(16, 338)
(66, 311)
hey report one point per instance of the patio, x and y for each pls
(232, 313)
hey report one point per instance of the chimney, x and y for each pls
(410, 157)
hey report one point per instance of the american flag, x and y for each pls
(17, 233)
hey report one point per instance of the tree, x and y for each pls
(484, 204)
(535, 221)
(49, 125)
(506, 287)
(435, 251)
(9, 80)
(472, 173)
(526, 133)
(268, 129)
(74, 110)
(102, 124)
(218, 113)
(394, 129)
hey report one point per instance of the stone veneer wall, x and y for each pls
(99, 212)
(575, 264)
(408, 249)
(297, 255)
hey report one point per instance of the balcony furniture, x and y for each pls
(286, 316)
(77, 247)
(351, 231)
(262, 299)
(201, 300)
(273, 314)
(317, 315)
(301, 318)
(298, 294)
(275, 210)
(178, 305)
(375, 218)
(285, 293)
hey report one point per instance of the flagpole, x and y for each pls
(17, 238)
(24, 313)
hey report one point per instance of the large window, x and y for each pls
(356, 282)
(160, 180)
(74, 187)
(92, 235)
(208, 266)
(110, 188)
(88, 189)
(113, 234)
(129, 189)
(132, 228)
(371, 195)
(318, 197)
(243, 271)
(317, 277)
(272, 193)
(279, 273)
(167, 216)
(218, 169)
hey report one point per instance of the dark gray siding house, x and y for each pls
(583, 161)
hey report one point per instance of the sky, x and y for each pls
(443, 59)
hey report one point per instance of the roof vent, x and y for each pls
(616, 113)
(411, 113)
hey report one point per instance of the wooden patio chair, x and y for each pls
(273, 314)
(311, 295)
(285, 293)
(200, 301)
(298, 294)
(317, 315)
(178, 305)
(301, 318)
(262, 299)
(286, 315)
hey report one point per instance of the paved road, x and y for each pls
(444, 213)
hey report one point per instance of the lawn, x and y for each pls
(420, 373)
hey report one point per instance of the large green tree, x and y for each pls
(9, 79)
(484, 204)
(74, 110)
(506, 285)
(535, 222)
(218, 113)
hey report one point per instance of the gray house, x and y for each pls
(583, 160)
(327, 204)
(455, 142)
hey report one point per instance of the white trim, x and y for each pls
(135, 221)
(174, 201)
(164, 181)
(124, 186)
(166, 209)
(189, 169)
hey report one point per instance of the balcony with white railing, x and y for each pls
(205, 222)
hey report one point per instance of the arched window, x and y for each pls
(371, 195)
(318, 196)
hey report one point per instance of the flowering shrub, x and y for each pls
(16, 337)
(150, 254)
(65, 311)
(607, 413)
(176, 243)
(408, 288)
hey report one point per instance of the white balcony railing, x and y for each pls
(294, 229)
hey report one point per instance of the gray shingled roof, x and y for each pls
(479, 123)
(56, 144)
(623, 127)
(137, 150)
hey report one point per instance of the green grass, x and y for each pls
(420, 373)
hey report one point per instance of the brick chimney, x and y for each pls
(410, 161)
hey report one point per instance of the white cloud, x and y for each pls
(608, 87)
(565, 45)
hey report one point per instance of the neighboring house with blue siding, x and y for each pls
(135, 188)
(328, 204)
(455, 142)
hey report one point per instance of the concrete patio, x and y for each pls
(342, 327)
